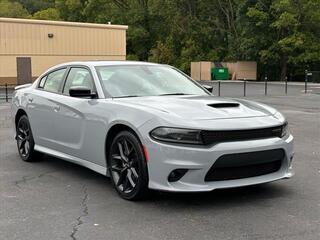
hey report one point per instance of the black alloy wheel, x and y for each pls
(25, 140)
(127, 166)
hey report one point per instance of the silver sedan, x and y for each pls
(149, 126)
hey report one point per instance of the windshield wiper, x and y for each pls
(167, 94)
(127, 96)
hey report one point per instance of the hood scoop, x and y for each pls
(224, 105)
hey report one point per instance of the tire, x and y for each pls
(25, 141)
(127, 167)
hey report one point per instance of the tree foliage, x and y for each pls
(281, 35)
(285, 27)
(47, 14)
(12, 9)
(33, 6)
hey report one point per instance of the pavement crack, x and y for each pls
(83, 214)
(25, 179)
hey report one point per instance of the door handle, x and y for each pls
(30, 100)
(56, 109)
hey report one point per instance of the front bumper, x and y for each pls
(164, 158)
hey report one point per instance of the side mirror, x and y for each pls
(81, 92)
(208, 88)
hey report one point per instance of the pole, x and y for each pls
(244, 87)
(6, 88)
(286, 86)
(265, 85)
(219, 82)
(306, 81)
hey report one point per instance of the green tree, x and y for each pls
(285, 29)
(281, 35)
(12, 9)
(71, 10)
(135, 13)
(33, 6)
(47, 14)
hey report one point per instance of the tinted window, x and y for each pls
(78, 77)
(54, 79)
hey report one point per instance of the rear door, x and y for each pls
(42, 107)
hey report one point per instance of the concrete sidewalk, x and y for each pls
(261, 82)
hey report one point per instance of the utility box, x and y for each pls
(219, 73)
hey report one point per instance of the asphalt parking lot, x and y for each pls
(53, 199)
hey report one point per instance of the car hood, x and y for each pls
(201, 107)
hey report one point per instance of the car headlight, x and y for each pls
(279, 116)
(284, 130)
(177, 135)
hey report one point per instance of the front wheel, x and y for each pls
(127, 166)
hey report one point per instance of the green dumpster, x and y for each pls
(219, 73)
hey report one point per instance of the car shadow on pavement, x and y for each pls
(70, 172)
(226, 197)
(233, 197)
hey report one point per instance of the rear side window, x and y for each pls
(53, 81)
(42, 81)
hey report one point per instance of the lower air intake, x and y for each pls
(245, 165)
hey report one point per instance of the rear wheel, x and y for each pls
(25, 142)
(127, 166)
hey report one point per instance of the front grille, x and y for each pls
(211, 137)
(245, 165)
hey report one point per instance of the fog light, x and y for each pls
(176, 175)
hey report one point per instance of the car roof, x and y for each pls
(95, 63)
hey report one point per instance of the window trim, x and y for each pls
(46, 75)
(40, 81)
(68, 72)
(61, 87)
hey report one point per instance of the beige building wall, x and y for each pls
(69, 42)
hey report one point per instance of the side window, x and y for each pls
(53, 81)
(78, 77)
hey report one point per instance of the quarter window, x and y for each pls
(54, 80)
(42, 81)
(78, 77)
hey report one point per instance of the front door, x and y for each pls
(74, 123)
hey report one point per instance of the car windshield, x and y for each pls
(142, 80)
